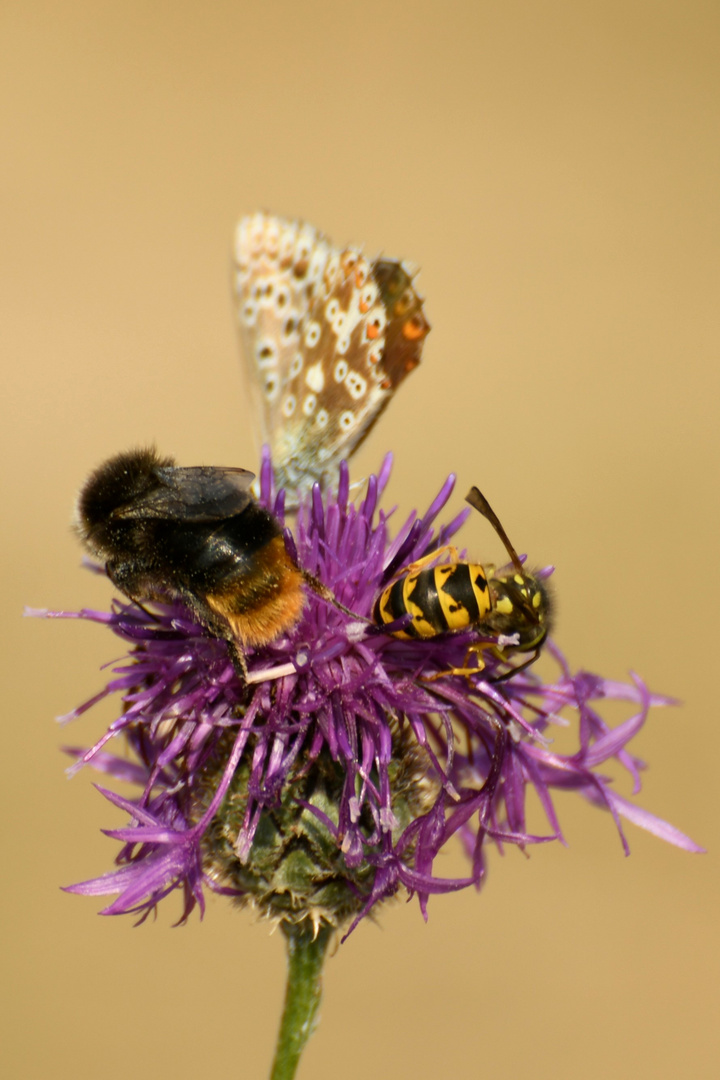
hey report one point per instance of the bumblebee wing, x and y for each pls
(201, 493)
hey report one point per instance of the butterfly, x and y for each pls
(327, 337)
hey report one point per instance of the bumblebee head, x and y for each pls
(522, 606)
(117, 483)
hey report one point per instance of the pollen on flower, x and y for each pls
(333, 779)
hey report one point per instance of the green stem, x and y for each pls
(306, 955)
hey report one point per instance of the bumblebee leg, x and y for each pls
(124, 582)
(237, 658)
(328, 595)
(142, 607)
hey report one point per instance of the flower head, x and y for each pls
(336, 776)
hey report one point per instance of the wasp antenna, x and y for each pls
(478, 501)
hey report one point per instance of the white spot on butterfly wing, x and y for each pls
(282, 298)
(272, 236)
(286, 247)
(303, 250)
(375, 323)
(266, 354)
(356, 385)
(312, 334)
(317, 265)
(266, 297)
(315, 377)
(289, 334)
(297, 365)
(340, 371)
(248, 313)
(272, 387)
(368, 296)
(374, 357)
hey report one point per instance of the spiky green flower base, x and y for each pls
(296, 871)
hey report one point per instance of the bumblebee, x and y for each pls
(513, 608)
(195, 535)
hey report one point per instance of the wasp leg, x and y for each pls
(517, 668)
(466, 669)
(431, 557)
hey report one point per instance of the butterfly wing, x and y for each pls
(279, 266)
(328, 337)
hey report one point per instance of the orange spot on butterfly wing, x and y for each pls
(403, 346)
(416, 328)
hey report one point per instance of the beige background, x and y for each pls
(554, 169)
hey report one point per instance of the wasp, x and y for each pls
(512, 608)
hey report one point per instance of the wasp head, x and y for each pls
(522, 607)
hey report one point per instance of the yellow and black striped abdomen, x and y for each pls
(440, 598)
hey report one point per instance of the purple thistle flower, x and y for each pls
(335, 780)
